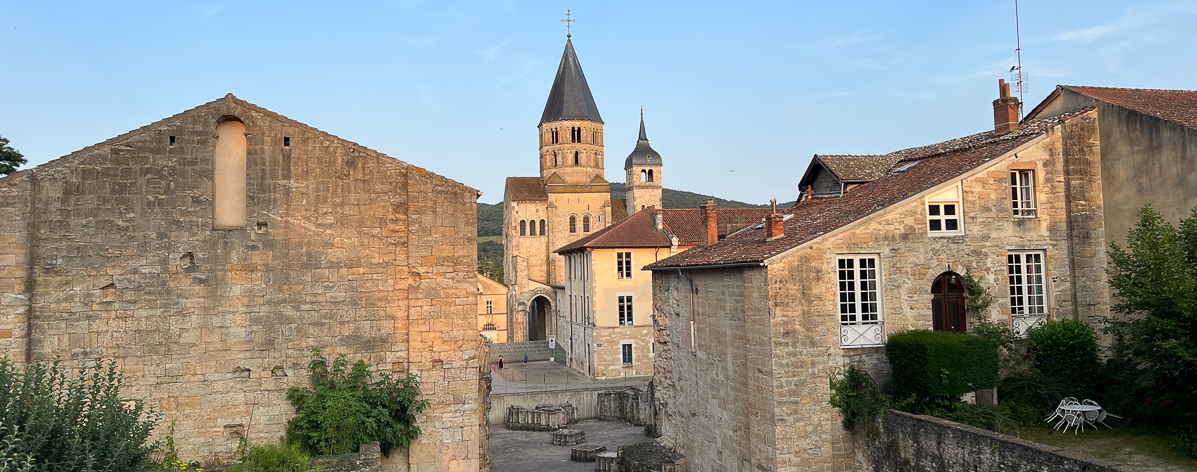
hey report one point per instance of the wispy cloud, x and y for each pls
(1134, 19)
(859, 37)
(493, 51)
(209, 12)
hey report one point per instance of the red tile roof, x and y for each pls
(526, 189)
(1179, 106)
(638, 230)
(687, 223)
(931, 165)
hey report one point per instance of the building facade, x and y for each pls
(749, 329)
(492, 309)
(211, 251)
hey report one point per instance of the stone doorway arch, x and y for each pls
(947, 303)
(539, 315)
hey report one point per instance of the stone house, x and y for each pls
(604, 325)
(211, 251)
(749, 329)
(492, 309)
(1148, 143)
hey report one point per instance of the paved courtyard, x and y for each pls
(525, 451)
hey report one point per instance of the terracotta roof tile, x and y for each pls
(526, 189)
(687, 223)
(634, 231)
(1179, 106)
(931, 165)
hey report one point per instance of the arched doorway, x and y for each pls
(947, 303)
(538, 318)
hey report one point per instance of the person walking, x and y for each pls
(525, 361)
(500, 362)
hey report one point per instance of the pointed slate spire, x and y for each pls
(643, 155)
(570, 98)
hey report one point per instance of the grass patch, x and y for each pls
(1140, 451)
(497, 239)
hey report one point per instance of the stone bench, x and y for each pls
(568, 437)
(606, 462)
(542, 418)
(586, 453)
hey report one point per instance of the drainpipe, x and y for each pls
(693, 347)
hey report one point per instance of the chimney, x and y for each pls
(712, 222)
(775, 224)
(657, 224)
(1005, 109)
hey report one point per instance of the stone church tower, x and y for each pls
(569, 200)
(643, 173)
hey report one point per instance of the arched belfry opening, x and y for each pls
(538, 318)
(948, 304)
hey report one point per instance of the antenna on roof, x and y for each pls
(1016, 71)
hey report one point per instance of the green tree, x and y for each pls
(10, 158)
(1155, 283)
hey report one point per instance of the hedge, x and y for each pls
(940, 363)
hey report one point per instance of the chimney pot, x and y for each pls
(776, 226)
(1005, 109)
(711, 219)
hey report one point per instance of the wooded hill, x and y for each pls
(490, 216)
(490, 222)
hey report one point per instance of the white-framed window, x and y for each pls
(944, 215)
(623, 265)
(1022, 193)
(1028, 293)
(626, 351)
(858, 280)
(625, 310)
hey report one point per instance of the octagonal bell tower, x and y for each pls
(643, 173)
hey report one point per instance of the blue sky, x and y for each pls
(737, 95)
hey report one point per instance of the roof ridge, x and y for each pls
(234, 99)
(1127, 88)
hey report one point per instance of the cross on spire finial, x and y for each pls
(567, 20)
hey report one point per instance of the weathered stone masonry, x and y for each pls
(111, 251)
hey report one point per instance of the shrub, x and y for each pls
(992, 417)
(857, 396)
(940, 364)
(343, 410)
(55, 421)
(281, 457)
(1066, 350)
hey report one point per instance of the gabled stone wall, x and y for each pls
(111, 251)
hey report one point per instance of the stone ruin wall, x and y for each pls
(111, 251)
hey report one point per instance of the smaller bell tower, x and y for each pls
(643, 173)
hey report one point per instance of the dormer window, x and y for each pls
(944, 215)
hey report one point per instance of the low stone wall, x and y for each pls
(367, 459)
(913, 443)
(584, 400)
(631, 405)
